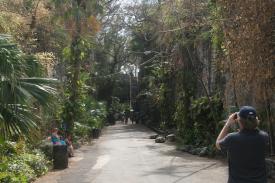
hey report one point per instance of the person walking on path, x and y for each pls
(126, 116)
(246, 148)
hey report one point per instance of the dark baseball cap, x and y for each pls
(247, 111)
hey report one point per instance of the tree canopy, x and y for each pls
(179, 65)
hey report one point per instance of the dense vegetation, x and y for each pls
(198, 64)
(21, 164)
(182, 66)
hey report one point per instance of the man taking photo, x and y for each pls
(246, 148)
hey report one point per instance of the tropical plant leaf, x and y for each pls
(21, 85)
(17, 119)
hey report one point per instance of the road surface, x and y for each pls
(125, 154)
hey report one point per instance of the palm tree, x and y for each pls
(21, 85)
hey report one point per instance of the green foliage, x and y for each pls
(7, 148)
(215, 20)
(89, 113)
(93, 115)
(117, 108)
(33, 67)
(176, 84)
(97, 112)
(167, 100)
(19, 168)
(19, 164)
(149, 111)
(81, 130)
(206, 115)
(8, 177)
(80, 25)
(83, 46)
(19, 88)
(76, 85)
(37, 162)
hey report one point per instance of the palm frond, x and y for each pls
(38, 88)
(33, 67)
(20, 85)
(16, 119)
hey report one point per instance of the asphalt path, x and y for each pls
(125, 154)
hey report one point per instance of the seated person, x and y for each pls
(55, 138)
(69, 143)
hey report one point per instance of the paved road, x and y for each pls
(124, 154)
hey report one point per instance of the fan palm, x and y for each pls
(20, 84)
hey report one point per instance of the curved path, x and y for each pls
(124, 154)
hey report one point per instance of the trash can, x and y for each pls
(60, 156)
(95, 133)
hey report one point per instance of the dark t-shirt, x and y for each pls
(246, 156)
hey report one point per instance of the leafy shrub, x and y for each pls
(206, 113)
(93, 115)
(8, 177)
(204, 122)
(7, 148)
(37, 162)
(149, 113)
(20, 146)
(19, 165)
(81, 130)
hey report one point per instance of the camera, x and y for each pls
(235, 116)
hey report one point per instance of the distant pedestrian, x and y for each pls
(132, 116)
(246, 148)
(126, 116)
